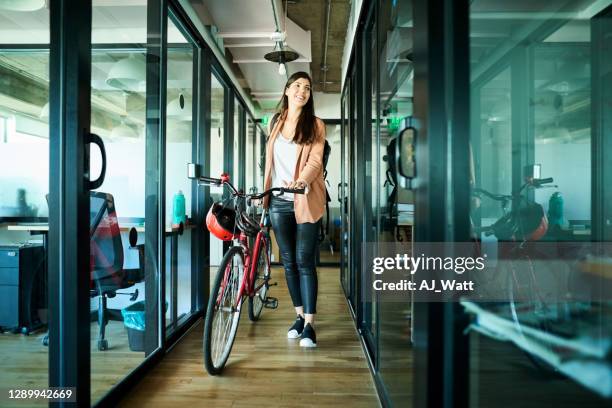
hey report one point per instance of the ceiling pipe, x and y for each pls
(324, 66)
(212, 44)
(277, 7)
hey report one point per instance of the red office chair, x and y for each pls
(106, 258)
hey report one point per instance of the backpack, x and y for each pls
(326, 153)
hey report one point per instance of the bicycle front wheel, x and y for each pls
(262, 281)
(223, 312)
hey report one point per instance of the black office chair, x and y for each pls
(106, 251)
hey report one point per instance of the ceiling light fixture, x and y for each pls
(127, 74)
(280, 55)
(22, 5)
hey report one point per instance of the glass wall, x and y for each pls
(329, 249)
(118, 116)
(216, 157)
(395, 204)
(238, 138)
(179, 144)
(250, 149)
(24, 184)
(260, 148)
(535, 128)
(370, 175)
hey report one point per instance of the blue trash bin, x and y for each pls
(134, 322)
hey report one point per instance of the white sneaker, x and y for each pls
(296, 330)
(309, 338)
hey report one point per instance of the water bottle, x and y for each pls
(178, 208)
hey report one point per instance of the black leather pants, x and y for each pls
(298, 245)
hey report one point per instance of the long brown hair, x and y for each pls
(304, 130)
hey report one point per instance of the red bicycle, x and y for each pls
(244, 271)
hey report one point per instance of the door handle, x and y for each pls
(97, 140)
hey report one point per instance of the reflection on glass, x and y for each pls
(118, 99)
(24, 182)
(329, 250)
(372, 178)
(250, 154)
(532, 110)
(260, 158)
(179, 130)
(396, 205)
(238, 140)
(217, 165)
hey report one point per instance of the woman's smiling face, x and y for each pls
(298, 92)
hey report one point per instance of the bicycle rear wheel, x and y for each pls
(223, 312)
(262, 281)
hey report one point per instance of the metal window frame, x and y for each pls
(601, 124)
(69, 124)
(70, 73)
(442, 96)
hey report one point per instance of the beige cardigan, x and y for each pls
(309, 207)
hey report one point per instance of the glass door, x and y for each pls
(24, 192)
(395, 204)
(180, 136)
(217, 158)
(536, 134)
(123, 210)
(369, 147)
(343, 192)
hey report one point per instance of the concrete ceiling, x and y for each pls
(245, 28)
(310, 15)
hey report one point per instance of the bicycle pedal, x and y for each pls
(271, 303)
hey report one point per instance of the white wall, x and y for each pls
(327, 105)
(569, 164)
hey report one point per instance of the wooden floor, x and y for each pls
(24, 362)
(267, 369)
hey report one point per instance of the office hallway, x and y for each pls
(265, 368)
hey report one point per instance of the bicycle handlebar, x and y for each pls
(496, 197)
(224, 180)
(501, 197)
(539, 182)
(282, 190)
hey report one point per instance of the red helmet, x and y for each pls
(220, 221)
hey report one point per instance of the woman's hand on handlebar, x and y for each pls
(296, 184)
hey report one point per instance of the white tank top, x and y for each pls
(283, 170)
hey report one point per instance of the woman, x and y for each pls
(294, 159)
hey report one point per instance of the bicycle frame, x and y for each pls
(250, 266)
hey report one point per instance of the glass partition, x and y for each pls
(250, 149)
(329, 249)
(238, 138)
(119, 300)
(179, 144)
(260, 149)
(216, 158)
(24, 184)
(535, 137)
(395, 204)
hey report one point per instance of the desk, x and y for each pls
(171, 232)
(43, 229)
